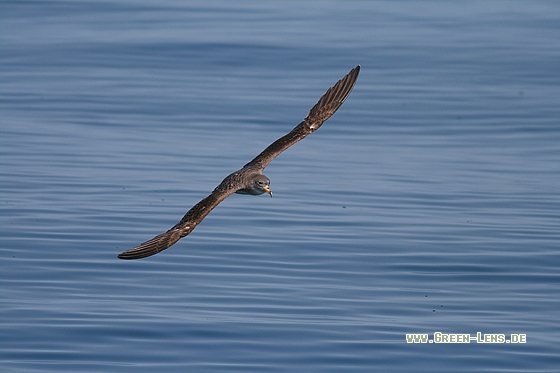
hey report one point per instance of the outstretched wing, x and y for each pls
(191, 219)
(323, 110)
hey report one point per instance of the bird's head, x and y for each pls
(262, 184)
(257, 184)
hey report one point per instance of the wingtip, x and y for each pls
(125, 256)
(155, 245)
(130, 255)
(355, 70)
(354, 77)
(136, 253)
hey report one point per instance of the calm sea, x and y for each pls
(429, 202)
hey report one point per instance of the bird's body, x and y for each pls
(250, 179)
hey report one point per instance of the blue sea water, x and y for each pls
(428, 203)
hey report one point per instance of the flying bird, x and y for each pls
(250, 179)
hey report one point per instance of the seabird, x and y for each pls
(250, 179)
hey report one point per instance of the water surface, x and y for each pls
(428, 203)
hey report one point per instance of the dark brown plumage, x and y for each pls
(250, 179)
